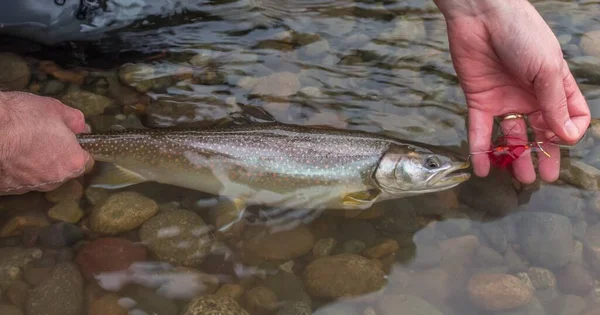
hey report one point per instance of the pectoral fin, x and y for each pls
(112, 176)
(361, 198)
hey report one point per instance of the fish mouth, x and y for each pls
(453, 176)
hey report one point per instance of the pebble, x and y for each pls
(10, 310)
(579, 174)
(427, 256)
(17, 224)
(287, 287)
(496, 292)
(494, 234)
(541, 278)
(357, 230)
(487, 257)
(343, 275)
(533, 308)
(278, 246)
(324, 247)
(351, 247)
(15, 73)
(107, 255)
(147, 300)
(36, 274)
(107, 305)
(52, 88)
(279, 84)
(17, 292)
(233, 291)
(179, 237)
(122, 212)
(590, 43)
(213, 305)
(295, 308)
(407, 304)
(575, 279)
(46, 299)
(261, 300)
(70, 190)
(138, 76)
(385, 248)
(66, 211)
(95, 195)
(434, 285)
(88, 103)
(513, 261)
(12, 260)
(59, 235)
(546, 238)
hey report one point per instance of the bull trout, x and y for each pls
(275, 164)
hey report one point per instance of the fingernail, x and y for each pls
(88, 129)
(571, 129)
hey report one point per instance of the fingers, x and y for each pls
(480, 133)
(549, 167)
(558, 95)
(74, 119)
(516, 134)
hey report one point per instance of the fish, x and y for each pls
(275, 164)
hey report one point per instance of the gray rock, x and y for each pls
(565, 200)
(180, 237)
(542, 278)
(547, 296)
(513, 261)
(89, 103)
(288, 287)
(546, 238)
(52, 87)
(148, 301)
(494, 233)
(533, 308)
(494, 194)
(569, 305)
(14, 72)
(60, 294)
(487, 257)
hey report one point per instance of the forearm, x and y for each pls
(460, 8)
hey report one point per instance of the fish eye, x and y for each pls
(432, 162)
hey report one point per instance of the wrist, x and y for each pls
(452, 9)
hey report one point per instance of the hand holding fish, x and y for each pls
(38, 147)
(509, 61)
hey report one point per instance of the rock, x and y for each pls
(288, 287)
(434, 285)
(122, 212)
(14, 72)
(10, 310)
(17, 224)
(213, 305)
(60, 294)
(494, 234)
(357, 230)
(179, 237)
(405, 30)
(385, 248)
(233, 291)
(513, 262)
(565, 200)
(59, 235)
(149, 301)
(52, 88)
(74, 76)
(487, 257)
(579, 174)
(343, 275)
(351, 247)
(107, 305)
(282, 245)
(279, 84)
(70, 190)
(590, 43)
(427, 256)
(88, 103)
(295, 308)
(108, 254)
(533, 308)
(261, 300)
(408, 304)
(497, 292)
(139, 76)
(95, 195)
(541, 278)
(493, 194)
(546, 238)
(575, 279)
(17, 293)
(324, 247)
(66, 211)
(12, 260)
(35, 274)
(569, 305)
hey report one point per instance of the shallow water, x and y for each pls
(487, 246)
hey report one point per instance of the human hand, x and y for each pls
(38, 147)
(509, 61)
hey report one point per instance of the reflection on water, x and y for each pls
(487, 246)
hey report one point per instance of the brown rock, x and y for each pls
(261, 300)
(213, 305)
(122, 212)
(590, 43)
(14, 72)
(279, 84)
(283, 245)
(575, 279)
(71, 190)
(17, 224)
(10, 310)
(17, 292)
(496, 292)
(343, 275)
(107, 255)
(233, 291)
(382, 249)
(65, 75)
(107, 305)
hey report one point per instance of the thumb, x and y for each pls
(550, 90)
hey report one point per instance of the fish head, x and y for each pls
(413, 169)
